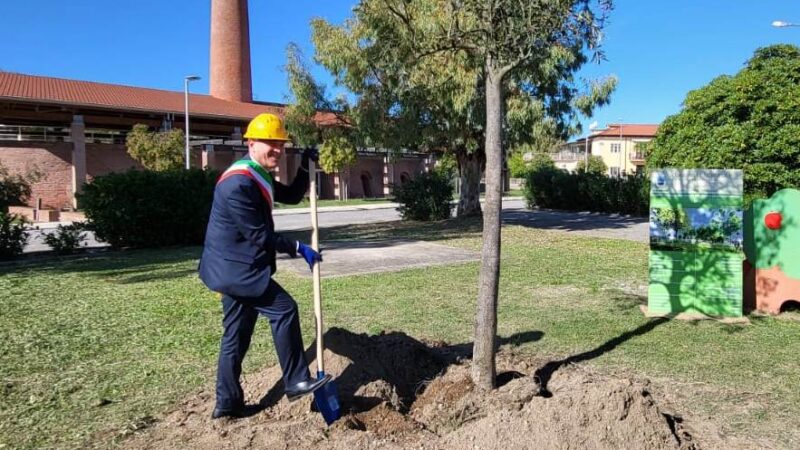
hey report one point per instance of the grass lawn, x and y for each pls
(94, 348)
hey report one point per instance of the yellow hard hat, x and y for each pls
(268, 127)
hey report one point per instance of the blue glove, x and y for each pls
(308, 254)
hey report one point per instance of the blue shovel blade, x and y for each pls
(327, 401)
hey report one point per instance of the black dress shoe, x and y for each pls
(240, 411)
(305, 387)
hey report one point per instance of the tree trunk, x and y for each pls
(344, 177)
(483, 360)
(469, 170)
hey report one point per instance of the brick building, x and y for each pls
(71, 131)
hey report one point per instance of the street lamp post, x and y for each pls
(186, 81)
(586, 154)
(621, 152)
(592, 126)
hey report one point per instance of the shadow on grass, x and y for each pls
(396, 359)
(568, 220)
(625, 302)
(400, 230)
(545, 373)
(463, 227)
(130, 266)
(155, 276)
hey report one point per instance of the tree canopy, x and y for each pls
(748, 121)
(15, 188)
(596, 165)
(315, 120)
(156, 150)
(417, 71)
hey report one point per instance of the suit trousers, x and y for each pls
(238, 322)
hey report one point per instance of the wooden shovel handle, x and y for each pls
(312, 195)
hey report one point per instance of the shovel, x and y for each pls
(326, 398)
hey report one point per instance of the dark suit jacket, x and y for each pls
(239, 252)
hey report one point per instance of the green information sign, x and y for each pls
(696, 240)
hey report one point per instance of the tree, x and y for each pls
(336, 154)
(15, 189)
(159, 150)
(748, 121)
(421, 85)
(596, 166)
(516, 165)
(474, 74)
(313, 120)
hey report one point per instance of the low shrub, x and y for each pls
(149, 209)
(13, 236)
(426, 197)
(67, 238)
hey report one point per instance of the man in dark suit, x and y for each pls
(238, 261)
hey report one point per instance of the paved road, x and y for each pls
(610, 226)
(327, 219)
(514, 212)
(36, 240)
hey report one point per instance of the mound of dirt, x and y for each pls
(397, 392)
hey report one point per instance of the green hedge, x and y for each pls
(425, 197)
(549, 187)
(149, 209)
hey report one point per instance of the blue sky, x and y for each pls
(659, 49)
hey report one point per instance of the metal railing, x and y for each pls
(567, 156)
(636, 156)
(26, 133)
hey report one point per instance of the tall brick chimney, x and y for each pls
(230, 77)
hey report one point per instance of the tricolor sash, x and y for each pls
(253, 170)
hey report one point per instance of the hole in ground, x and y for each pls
(790, 306)
(679, 431)
(506, 377)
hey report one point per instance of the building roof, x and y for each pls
(628, 130)
(59, 91)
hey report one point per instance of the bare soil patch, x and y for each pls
(398, 392)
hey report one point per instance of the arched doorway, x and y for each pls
(404, 178)
(366, 184)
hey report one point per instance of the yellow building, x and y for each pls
(618, 145)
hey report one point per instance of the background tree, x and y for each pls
(336, 154)
(517, 166)
(596, 166)
(313, 120)
(748, 121)
(156, 150)
(15, 189)
(471, 71)
(418, 88)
